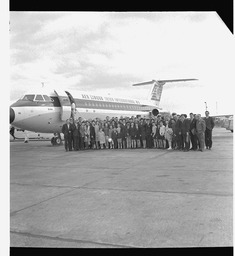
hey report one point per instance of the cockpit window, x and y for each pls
(28, 97)
(47, 98)
(39, 98)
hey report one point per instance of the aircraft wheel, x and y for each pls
(58, 141)
(53, 141)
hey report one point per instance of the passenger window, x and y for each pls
(39, 98)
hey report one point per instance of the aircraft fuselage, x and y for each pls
(49, 116)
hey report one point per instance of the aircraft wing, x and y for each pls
(164, 81)
(226, 116)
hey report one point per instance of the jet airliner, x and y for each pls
(47, 112)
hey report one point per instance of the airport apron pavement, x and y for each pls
(121, 197)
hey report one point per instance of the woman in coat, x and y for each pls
(128, 138)
(132, 133)
(101, 136)
(82, 134)
(142, 127)
(87, 138)
(137, 138)
(119, 136)
(168, 134)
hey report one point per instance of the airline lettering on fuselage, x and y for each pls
(110, 99)
(84, 96)
(92, 97)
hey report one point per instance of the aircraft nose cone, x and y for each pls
(12, 115)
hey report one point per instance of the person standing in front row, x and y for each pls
(101, 135)
(92, 135)
(209, 127)
(119, 136)
(67, 131)
(124, 133)
(132, 132)
(168, 134)
(161, 138)
(200, 131)
(148, 134)
(76, 135)
(192, 132)
(128, 136)
(137, 138)
(185, 132)
(177, 133)
(82, 135)
(142, 127)
(12, 132)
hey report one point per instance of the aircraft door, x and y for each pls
(73, 105)
(65, 104)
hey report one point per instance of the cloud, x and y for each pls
(112, 50)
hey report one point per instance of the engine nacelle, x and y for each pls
(155, 112)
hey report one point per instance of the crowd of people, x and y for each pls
(174, 132)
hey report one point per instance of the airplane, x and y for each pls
(47, 112)
(225, 121)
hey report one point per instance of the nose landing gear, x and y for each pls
(56, 140)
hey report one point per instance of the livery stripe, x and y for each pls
(89, 104)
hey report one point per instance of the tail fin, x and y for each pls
(157, 87)
(156, 92)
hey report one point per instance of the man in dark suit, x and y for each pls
(192, 132)
(92, 134)
(148, 134)
(185, 132)
(76, 135)
(142, 127)
(12, 132)
(177, 132)
(200, 130)
(67, 131)
(124, 133)
(209, 127)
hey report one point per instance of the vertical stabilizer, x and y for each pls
(156, 92)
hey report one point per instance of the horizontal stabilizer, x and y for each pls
(164, 81)
(144, 83)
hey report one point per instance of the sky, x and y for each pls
(107, 52)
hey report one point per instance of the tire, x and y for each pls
(53, 141)
(57, 141)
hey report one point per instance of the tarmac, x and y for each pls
(121, 198)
